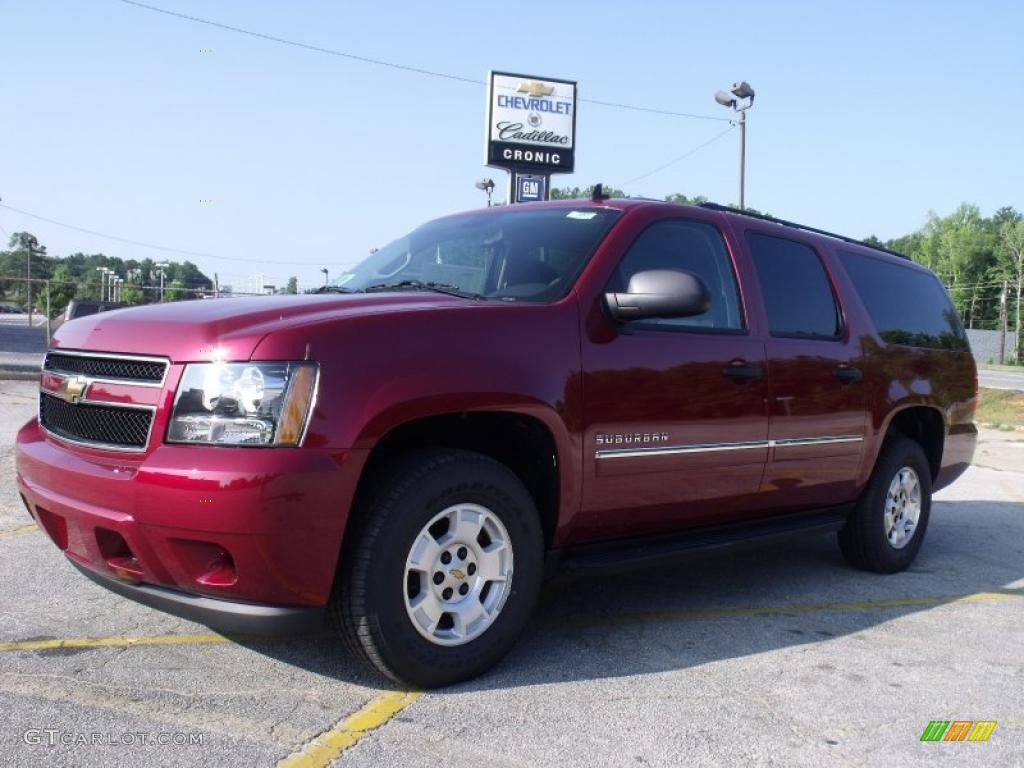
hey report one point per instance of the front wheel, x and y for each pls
(887, 527)
(443, 571)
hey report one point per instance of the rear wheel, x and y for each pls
(887, 527)
(443, 569)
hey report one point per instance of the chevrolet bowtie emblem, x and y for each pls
(457, 573)
(535, 88)
(72, 389)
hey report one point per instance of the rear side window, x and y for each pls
(906, 305)
(691, 246)
(797, 293)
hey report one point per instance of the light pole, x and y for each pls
(487, 185)
(162, 266)
(324, 270)
(744, 100)
(103, 282)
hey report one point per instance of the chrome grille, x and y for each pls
(102, 425)
(102, 367)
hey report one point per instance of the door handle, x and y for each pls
(846, 373)
(740, 371)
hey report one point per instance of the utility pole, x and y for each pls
(1002, 325)
(28, 278)
(1016, 327)
(30, 246)
(48, 330)
(324, 270)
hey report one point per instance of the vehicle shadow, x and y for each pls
(724, 607)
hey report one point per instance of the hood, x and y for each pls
(230, 328)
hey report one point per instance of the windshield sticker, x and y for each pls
(584, 215)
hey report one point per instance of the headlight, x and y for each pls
(243, 403)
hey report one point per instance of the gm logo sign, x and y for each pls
(530, 189)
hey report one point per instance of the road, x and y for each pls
(782, 656)
(1001, 379)
(21, 346)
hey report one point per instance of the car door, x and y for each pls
(675, 424)
(817, 416)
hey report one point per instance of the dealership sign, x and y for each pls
(531, 123)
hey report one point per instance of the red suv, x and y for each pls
(588, 383)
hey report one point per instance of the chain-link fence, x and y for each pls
(46, 301)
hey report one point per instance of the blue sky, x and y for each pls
(867, 115)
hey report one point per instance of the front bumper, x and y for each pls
(243, 540)
(222, 615)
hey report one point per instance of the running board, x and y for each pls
(650, 551)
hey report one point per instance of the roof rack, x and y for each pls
(783, 222)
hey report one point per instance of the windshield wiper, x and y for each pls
(333, 289)
(419, 285)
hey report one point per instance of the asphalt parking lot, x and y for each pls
(783, 656)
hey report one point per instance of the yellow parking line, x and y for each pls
(597, 621)
(330, 744)
(111, 642)
(15, 531)
(115, 698)
(768, 610)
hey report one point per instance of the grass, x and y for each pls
(1000, 408)
(997, 367)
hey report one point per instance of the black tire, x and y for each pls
(368, 605)
(863, 540)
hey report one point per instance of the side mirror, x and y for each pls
(659, 293)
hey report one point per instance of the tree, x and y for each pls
(293, 285)
(132, 294)
(960, 248)
(577, 193)
(680, 199)
(62, 290)
(17, 262)
(175, 291)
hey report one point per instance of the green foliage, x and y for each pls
(971, 254)
(175, 291)
(132, 294)
(293, 285)
(78, 275)
(583, 193)
(62, 290)
(680, 199)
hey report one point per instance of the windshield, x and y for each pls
(513, 254)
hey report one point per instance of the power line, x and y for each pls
(401, 67)
(693, 151)
(165, 248)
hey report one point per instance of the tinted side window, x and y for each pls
(691, 246)
(797, 292)
(907, 306)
